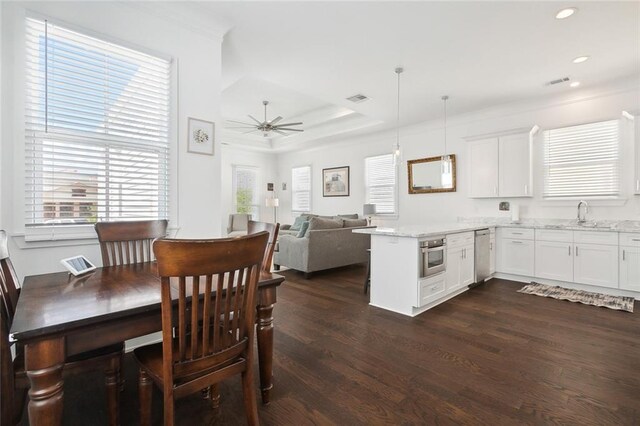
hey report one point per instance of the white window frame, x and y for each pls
(616, 162)
(53, 236)
(396, 192)
(310, 190)
(256, 204)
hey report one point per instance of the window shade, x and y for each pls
(96, 127)
(380, 180)
(301, 189)
(246, 190)
(582, 161)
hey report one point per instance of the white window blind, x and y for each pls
(380, 181)
(245, 191)
(301, 189)
(582, 161)
(96, 126)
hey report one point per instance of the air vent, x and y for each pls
(357, 98)
(558, 81)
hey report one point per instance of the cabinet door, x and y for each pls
(636, 182)
(516, 257)
(515, 166)
(596, 265)
(554, 260)
(467, 267)
(483, 168)
(454, 263)
(492, 254)
(630, 268)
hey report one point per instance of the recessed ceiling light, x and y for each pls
(565, 13)
(581, 59)
(575, 84)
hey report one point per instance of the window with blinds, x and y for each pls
(582, 161)
(245, 191)
(380, 180)
(96, 127)
(301, 189)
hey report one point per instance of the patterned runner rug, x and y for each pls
(620, 303)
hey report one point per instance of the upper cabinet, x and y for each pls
(636, 137)
(500, 166)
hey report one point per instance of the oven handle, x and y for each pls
(428, 249)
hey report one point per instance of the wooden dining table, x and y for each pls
(59, 315)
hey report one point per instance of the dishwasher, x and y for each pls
(482, 259)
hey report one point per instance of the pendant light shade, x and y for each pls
(397, 152)
(446, 158)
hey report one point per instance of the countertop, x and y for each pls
(473, 224)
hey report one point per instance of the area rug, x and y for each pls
(619, 303)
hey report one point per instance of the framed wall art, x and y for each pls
(335, 182)
(201, 136)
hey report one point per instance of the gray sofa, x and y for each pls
(321, 249)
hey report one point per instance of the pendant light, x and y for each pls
(397, 153)
(446, 158)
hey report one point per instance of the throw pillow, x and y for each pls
(298, 223)
(352, 223)
(349, 216)
(320, 223)
(303, 229)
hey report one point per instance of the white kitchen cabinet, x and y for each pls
(554, 260)
(500, 167)
(514, 166)
(516, 256)
(492, 253)
(637, 151)
(596, 264)
(483, 168)
(460, 267)
(630, 268)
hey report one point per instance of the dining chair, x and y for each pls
(238, 224)
(123, 243)
(254, 227)
(15, 383)
(209, 338)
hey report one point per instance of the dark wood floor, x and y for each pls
(490, 356)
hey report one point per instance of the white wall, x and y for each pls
(267, 169)
(196, 191)
(427, 139)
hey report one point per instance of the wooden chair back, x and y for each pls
(8, 278)
(216, 329)
(122, 243)
(7, 391)
(272, 228)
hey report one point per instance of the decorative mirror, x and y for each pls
(433, 174)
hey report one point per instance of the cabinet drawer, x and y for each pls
(630, 240)
(554, 235)
(596, 237)
(519, 233)
(431, 289)
(461, 239)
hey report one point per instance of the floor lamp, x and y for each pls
(273, 202)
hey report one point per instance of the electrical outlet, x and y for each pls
(504, 206)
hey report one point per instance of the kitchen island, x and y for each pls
(400, 280)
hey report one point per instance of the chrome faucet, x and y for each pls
(583, 219)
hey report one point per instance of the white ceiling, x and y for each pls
(307, 57)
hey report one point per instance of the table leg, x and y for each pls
(266, 301)
(44, 361)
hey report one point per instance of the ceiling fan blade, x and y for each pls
(255, 119)
(290, 124)
(241, 127)
(275, 120)
(239, 122)
(289, 130)
(279, 132)
(250, 131)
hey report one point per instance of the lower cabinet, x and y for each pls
(492, 254)
(630, 268)
(554, 260)
(515, 256)
(430, 289)
(596, 265)
(460, 267)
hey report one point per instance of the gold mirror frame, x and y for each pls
(410, 164)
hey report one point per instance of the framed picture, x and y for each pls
(201, 136)
(335, 182)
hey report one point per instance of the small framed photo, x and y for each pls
(201, 136)
(335, 182)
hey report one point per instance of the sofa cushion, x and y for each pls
(321, 223)
(349, 216)
(298, 222)
(303, 229)
(352, 223)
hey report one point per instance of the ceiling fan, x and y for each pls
(266, 127)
